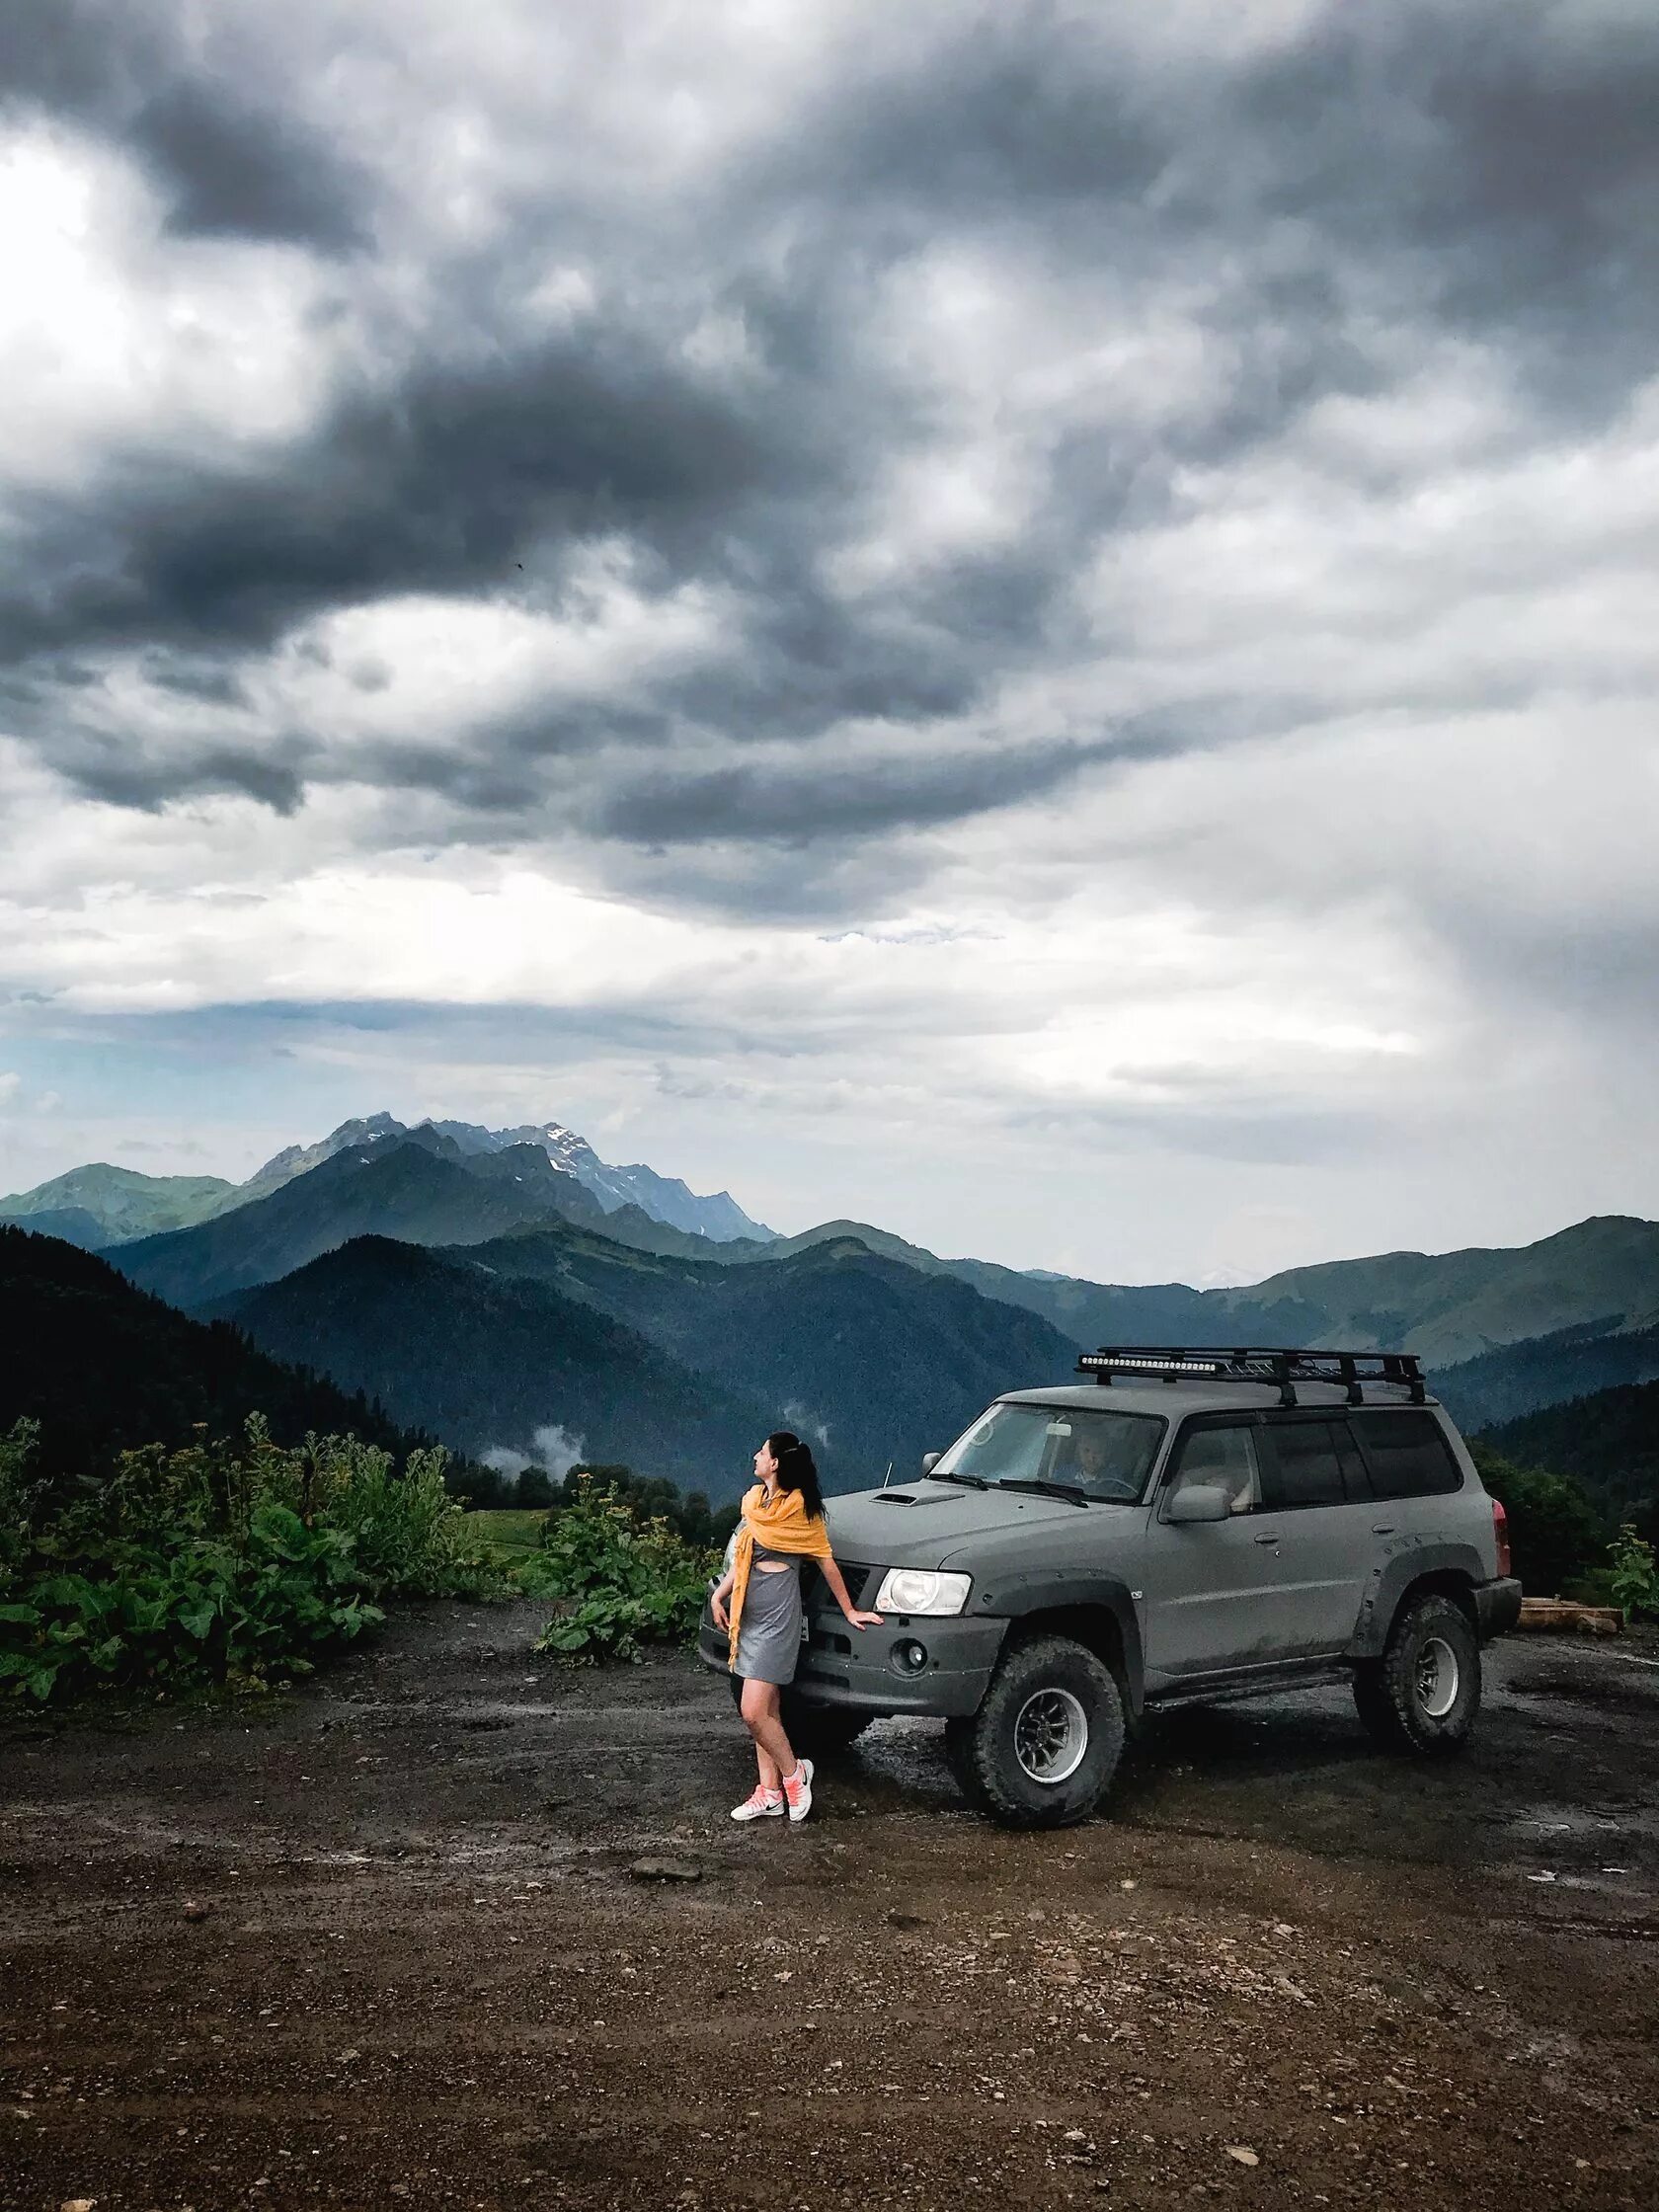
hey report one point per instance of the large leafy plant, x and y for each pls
(223, 1562)
(622, 1582)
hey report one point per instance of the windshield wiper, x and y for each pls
(1067, 1490)
(974, 1481)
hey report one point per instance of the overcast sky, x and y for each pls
(1036, 623)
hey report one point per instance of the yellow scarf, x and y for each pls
(781, 1523)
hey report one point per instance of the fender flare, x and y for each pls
(1020, 1595)
(1405, 1562)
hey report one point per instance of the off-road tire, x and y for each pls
(1045, 1674)
(816, 1732)
(1398, 1694)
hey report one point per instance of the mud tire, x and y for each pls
(1399, 1696)
(1052, 1676)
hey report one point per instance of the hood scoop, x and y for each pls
(909, 1497)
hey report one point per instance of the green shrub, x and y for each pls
(621, 1583)
(1555, 1534)
(222, 1562)
(1633, 1577)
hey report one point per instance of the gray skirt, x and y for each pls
(770, 1625)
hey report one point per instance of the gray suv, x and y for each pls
(1185, 1525)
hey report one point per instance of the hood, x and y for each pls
(920, 1524)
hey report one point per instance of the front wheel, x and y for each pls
(1043, 1748)
(1424, 1693)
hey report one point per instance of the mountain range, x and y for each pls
(99, 1206)
(496, 1287)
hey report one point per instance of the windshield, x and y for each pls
(1105, 1456)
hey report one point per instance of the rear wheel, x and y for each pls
(1043, 1748)
(1424, 1693)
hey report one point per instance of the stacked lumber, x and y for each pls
(1561, 1614)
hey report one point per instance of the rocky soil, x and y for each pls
(389, 1939)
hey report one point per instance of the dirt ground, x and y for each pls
(1286, 1970)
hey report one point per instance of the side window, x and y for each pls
(1304, 1468)
(1406, 1455)
(1223, 1458)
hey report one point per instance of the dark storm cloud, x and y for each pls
(830, 804)
(439, 485)
(1486, 169)
(227, 165)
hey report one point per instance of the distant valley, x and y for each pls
(489, 1287)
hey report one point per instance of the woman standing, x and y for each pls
(782, 1524)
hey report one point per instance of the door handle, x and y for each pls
(1267, 1539)
(1383, 1528)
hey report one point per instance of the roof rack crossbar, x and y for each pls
(1278, 1364)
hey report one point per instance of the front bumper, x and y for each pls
(853, 1669)
(1497, 1607)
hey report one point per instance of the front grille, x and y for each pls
(854, 1575)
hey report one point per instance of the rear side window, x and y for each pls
(1406, 1455)
(1223, 1458)
(1304, 1466)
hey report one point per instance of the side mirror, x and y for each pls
(929, 1461)
(1198, 1501)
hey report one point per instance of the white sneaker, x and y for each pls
(764, 1804)
(797, 1787)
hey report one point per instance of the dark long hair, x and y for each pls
(797, 1469)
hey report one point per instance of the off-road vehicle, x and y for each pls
(1186, 1524)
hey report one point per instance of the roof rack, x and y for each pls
(1285, 1368)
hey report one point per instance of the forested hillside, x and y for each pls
(104, 1366)
(1608, 1442)
(1517, 1378)
(486, 1361)
(868, 1358)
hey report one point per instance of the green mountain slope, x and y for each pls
(120, 1200)
(403, 1189)
(102, 1366)
(1447, 1305)
(485, 1359)
(1608, 1442)
(866, 1355)
(71, 1225)
(1452, 1305)
(1541, 1370)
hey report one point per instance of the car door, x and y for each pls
(1314, 1494)
(1212, 1589)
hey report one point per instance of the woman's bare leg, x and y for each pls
(759, 1708)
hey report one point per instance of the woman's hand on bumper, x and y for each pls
(864, 1619)
(717, 1606)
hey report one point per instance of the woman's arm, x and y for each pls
(717, 1600)
(838, 1591)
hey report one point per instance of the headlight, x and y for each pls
(912, 1590)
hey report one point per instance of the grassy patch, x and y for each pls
(510, 1534)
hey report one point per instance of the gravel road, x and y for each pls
(420, 1964)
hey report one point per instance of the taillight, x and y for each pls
(1500, 1529)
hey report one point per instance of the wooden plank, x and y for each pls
(1561, 1616)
